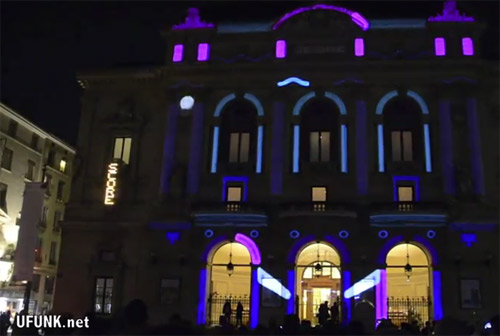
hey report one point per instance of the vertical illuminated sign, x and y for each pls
(109, 198)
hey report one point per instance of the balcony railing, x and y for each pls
(220, 207)
(411, 207)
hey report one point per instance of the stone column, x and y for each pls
(195, 149)
(169, 149)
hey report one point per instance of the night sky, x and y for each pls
(44, 44)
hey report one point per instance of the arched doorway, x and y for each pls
(230, 275)
(318, 279)
(409, 292)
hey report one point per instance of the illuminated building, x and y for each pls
(27, 154)
(321, 157)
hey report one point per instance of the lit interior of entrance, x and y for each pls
(229, 283)
(409, 294)
(318, 280)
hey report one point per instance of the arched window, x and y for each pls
(319, 123)
(403, 130)
(238, 132)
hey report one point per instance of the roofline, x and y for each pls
(4, 109)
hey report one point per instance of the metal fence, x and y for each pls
(216, 314)
(408, 310)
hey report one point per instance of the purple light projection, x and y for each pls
(195, 152)
(169, 148)
(280, 51)
(414, 179)
(359, 47)
(361, 148)
(450, 14)
(446, 147)
(439, 46)
(193, 21)
(467, 46)
(178, 53)
(251, 246)
(201, 319)
(290, 304)
(173, 237)
(475, 146)
(355, 17)
(203, 51)
(469, 238)
(277, 148)
(381, 297)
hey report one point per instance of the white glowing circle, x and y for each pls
(186, 102)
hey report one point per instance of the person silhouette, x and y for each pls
(335, 312)
(226, 310)
(239, 314)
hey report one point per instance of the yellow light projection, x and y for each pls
(109, 198)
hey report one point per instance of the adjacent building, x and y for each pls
(30, 154)
(320, 157)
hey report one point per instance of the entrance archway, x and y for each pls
(409, 284)
(230, 275)
(318, 279)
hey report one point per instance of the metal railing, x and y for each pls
(217, 315)
(408, 310)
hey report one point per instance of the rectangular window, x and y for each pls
(12, 131)
(439, 46)
(203, 51)
(280, 49)
(318, 194)
(3, 197)
(319, 150)
(35, 285)
(49, 285)
(359, 47)
(62, 165)
(103, 295)
(44, 216)
(51, 158)
(239, 147)
(121, 150)
(56, 225)
(38, 250)
(467, 46)
(53, 253)
(405, 194)
(48, 182)
(178, 51)
(30, 173)
(402, 146)
(7, 158)
(60, 190)
(34, 141)
(234, 194)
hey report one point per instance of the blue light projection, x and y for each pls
(290, 304)
(420, 101)
(438, 305)
(215, 149)
(414, 179)
(173, 237)
(427, 137)
(296, 151)
(294, 234)
(222, 103)
(300, 103)
(380, 135)
(369, 281)
(268, 281)
(260, 139)
(256, 102)
(469, 238)
(296, 80)
(343, 140)
(382, 234)
(336, 99)
(201, 318)
(254, 301)
(241, 179)
(381, 104)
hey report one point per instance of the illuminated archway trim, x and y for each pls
(336, 99)
(251, 246)
(381, 104)
(420, 101)
(300, 103)
(256, 102)
(355, 17)
(222, 103)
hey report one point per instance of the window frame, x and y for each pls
(30, 169)
(122, 150)
(4, 188)
(321, 147)
(402, 146)
(102, 298)
(60, 190)
(12, 128)
(53, 253)
(10, 156)
(239, 147)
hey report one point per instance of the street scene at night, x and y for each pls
(249, 168)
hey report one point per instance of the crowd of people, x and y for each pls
(133, 320)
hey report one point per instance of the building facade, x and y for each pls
(29, 154)
(320, 157)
